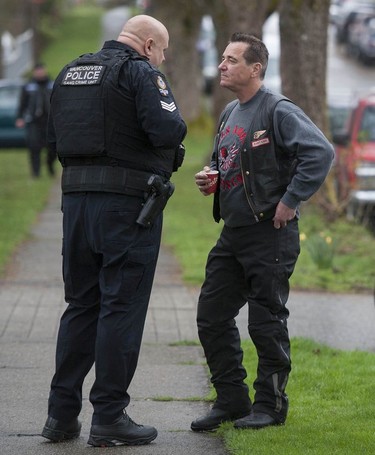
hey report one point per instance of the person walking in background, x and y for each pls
(270, 157)
(33, 113)
(118, 133)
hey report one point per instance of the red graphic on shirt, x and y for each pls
(228, 184)
(228, 156)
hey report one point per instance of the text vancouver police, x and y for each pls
(83, 75)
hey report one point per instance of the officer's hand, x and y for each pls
(283, 215)
(202, 181)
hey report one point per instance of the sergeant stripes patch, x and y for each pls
(168, 106)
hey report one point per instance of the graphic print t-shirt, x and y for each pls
(234, 207)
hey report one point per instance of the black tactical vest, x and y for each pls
(80, 105)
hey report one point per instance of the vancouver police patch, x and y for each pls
(84, 75)
(161, 85)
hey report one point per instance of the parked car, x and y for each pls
(361, 38)
(355, 160)
(10, 135)
(335, 10)
(340, 104)
(346, 13)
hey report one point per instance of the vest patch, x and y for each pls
(84, 75)
(259, 134)
(260, 142)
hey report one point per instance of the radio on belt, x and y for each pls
(84, 75)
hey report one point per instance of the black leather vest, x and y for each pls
(266, 168)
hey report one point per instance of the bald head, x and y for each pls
(140, 28)
(147, 36)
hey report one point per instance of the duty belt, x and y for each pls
(112, 179)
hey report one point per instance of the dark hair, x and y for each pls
(255, 52)
(39, 65)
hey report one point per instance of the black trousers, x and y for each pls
(108, 268)
(36, 138)
(250, 265)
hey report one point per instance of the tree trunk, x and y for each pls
(303, 64)
(303, 37)
(14, 16)
(182, 20)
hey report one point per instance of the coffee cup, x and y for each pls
(213, 176)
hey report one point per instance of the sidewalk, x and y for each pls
(171, 377)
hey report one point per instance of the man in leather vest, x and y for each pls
(270, 157)
(118, 133)
(33, 113)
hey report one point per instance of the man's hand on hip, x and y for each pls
(283, 215)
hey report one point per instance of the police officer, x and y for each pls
(115, 127)
(33, 113)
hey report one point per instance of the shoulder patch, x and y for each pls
(161, 84)
(83, 75)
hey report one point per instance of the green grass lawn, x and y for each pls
(80, 32)
(22, 198)
(331, 405)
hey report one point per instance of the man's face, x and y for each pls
(235, 73)
(39, 73)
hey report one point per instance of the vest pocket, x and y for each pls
(79, 124)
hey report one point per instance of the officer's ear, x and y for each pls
(148, 46)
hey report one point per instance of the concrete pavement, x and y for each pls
(171, 378)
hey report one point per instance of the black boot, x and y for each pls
(122, 431)
(214, 418)
(58, 431)
(256, 420)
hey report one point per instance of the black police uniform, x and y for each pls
(34, 108)
(114, 123)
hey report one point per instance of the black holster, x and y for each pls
(159, 193)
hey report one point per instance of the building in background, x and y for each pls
(17, 54)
